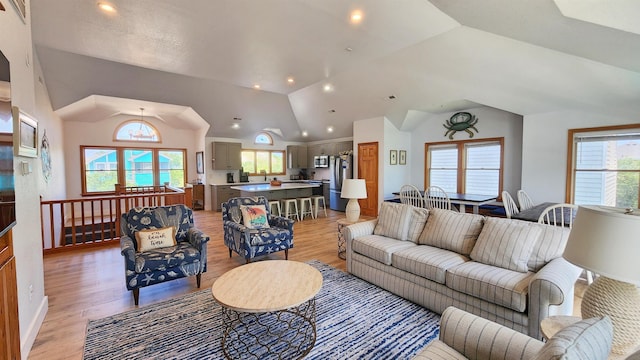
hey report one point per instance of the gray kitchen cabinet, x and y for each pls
(343, 146)
(220, 194)
(227, 156)
(297, 157)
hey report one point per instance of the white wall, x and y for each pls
(544, 150)
(491, 123)
(366, 131)
(396, 175)
(100, 132)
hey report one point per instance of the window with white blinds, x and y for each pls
(472, 166)
(605, 167)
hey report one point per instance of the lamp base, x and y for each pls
(353, 210)
(621, 302)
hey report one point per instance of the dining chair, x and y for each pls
(510, 207)
(410, 194)
(524, 200)
(562, 215)
(436, 197)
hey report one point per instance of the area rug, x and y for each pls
(355, 320)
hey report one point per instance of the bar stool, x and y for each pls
(316, 203)
(305, 207)
(290, 206)
(275, 205)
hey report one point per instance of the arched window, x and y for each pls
(137, 130)
(263, 138)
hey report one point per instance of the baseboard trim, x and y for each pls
(34, 327)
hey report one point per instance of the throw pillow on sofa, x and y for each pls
(451, 230)
(393, 220)
(506, 243)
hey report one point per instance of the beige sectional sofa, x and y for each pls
(508, 271)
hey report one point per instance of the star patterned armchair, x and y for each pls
(250, 230)
(161, 244)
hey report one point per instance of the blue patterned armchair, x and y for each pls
(186, 258)
(252, 242)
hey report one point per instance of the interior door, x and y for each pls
(368, 170)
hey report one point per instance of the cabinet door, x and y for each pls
(220, 155)
(344, 146)
(292, 157)
(328, 149)
(234, 159)
(312, 150)
(302, 157)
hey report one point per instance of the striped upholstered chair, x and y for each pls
(467, 336)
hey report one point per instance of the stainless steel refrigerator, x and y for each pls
(341, 167)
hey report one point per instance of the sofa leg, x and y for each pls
(286, 254)
(136, 295)
(198, 280)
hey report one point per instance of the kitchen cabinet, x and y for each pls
(227, 156)
(220, 194)
(9, 326)
(296, 157)
(198, 197)
(343, 146)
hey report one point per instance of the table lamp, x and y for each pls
(606, 240)
(353, 189)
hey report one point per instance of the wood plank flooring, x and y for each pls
(89, 284)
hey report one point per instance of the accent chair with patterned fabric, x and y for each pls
(250, 230)
(161, 244)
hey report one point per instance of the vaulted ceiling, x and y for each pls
(405, 60)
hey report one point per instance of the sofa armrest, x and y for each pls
(234, 226)
(479, 338)
(353, 231)
(128, 250)
(197, 238)
(551, 292)
(281, 222)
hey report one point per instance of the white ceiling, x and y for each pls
(189, 61)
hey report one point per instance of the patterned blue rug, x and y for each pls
(355, 320)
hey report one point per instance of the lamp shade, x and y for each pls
(354, 189)
(606, 240)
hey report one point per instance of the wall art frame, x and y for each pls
(402, 157)
(25, 134)
(200, 162)
(393, 157)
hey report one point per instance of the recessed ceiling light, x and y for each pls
(327, 88)
(330, 129)
(106, 7)
(256, 86)
(356, 17)
(290, 80)
(305, 134)
(348, 48)
(332, 110)
(235, 126)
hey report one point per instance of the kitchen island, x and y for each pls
(271, 192)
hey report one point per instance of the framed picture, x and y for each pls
(403, 157)
(21, 7)
(393, 158)
(25, 134)
(200, 162)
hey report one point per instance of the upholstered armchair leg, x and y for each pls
(198, 280)
(247, 261)
(286, 254)
(230, 252)
(136, 295)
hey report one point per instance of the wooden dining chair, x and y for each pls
(524, 201)
(410, 194)
(510, 207)
(436, 197)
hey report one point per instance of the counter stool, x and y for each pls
(290, 207)
(274, 205)
(305, 207)
(316, 203)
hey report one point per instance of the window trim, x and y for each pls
(461, 167)
(137, 121)
(284, 159)
(121, 171)
(571, 150)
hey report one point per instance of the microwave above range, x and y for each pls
(321, 161)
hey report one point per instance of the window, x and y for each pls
(471, 166)
(604, 166)
(103, 167)
(263, 162)
(137, 130)
(263, 138)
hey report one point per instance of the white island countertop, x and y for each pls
(269, 187)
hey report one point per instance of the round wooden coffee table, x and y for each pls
(268, 309)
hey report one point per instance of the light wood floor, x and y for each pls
(89, 284)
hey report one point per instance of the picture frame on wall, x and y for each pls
(200, 162)
(25, 134)
(402, 160)
(393, 157)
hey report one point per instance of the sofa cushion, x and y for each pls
(379, 248)
(506, 243)
(167, 257)
(427, 261)
(585, 340)
(149, 239)
(438, 350)
(393, 220)
(417, 218)
(550, 245)
(496, 285)
(451, 230)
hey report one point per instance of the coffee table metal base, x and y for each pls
(285, 334)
